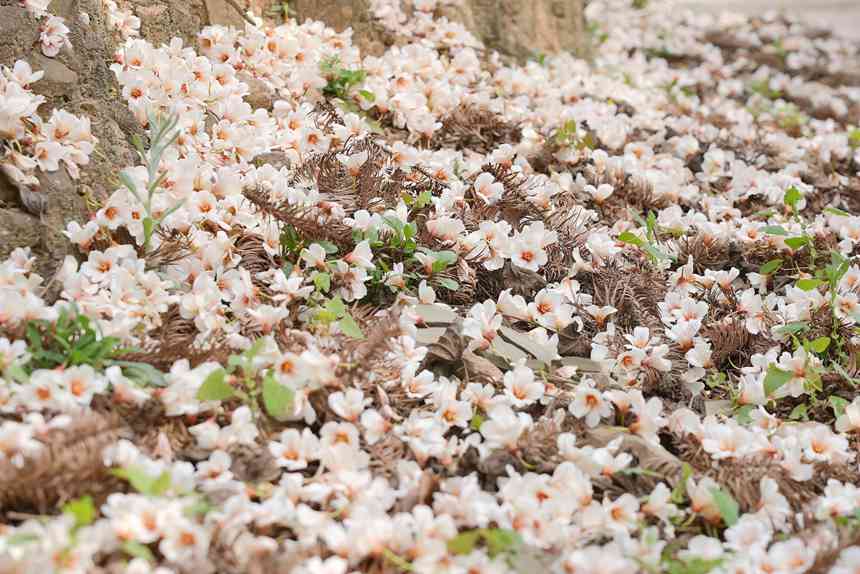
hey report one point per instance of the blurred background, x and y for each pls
(841, 16)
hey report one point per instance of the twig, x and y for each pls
(241, 12)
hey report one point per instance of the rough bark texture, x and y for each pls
(524, 28)
(341, 14)
(519, 28)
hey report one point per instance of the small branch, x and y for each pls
(241, 12)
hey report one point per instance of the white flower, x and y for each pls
(849, 421)
(503, 427)
(589, 404)
(481, 324)
(599, 193)
(521, 388)
(353, 163)
(348, 405)
(488, 189)
(293, 450)
(314, 256)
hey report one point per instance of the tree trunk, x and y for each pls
(518, 28)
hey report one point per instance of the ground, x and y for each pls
(840, 16)
(280, 298)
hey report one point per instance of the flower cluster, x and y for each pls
(31, 143)
(434, 312)
(54, 32)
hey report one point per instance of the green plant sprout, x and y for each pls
(74, 340)
(813, 278)
(163, 135)
(648, 244)
(252, 386)
(341, 80)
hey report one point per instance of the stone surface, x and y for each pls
(260, 95)
(525, 28)
(342, 14)
(79, 81)
(18, 229)
(162, 20)
(222, 14)
(519, 28)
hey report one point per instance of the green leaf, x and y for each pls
(774, 230)
(143, 374)
(651, 225)
(322, 281)
(336, 306)
(838, 404)
(798, 413)
(277, 398)
(744, 414)
(82, 510)
(448, 283)
(836, 211)
(137, 550)
(501, 540)
(160, 485)
(820, 344)
(325, 316)
(130, 185)
(255, 349)
(808, 284)
(727, 506)
(367, 95)
(397, 561)
(148, 226)
(448, 257)
(770, 266)
(630, 238)
(792, 328)
(792, 196)
(215, 387)
(200, 507)
(465, 542)
(656, 253)
(775, 378)
(350, 328)
(423, 200)
(438, 266)
(796, 242)
(476, 422)
(393, 223)
(329, 247)
(21, 538)
(679, 492)
(143, 482)
(16, 373)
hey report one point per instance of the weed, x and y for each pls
(243, 380)
(73, 340)
(70, 341)
(340, 80)
(649, 243)
(498, 541)
(827, 347)
(163, 134)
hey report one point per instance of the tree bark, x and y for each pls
(518, 28)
